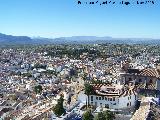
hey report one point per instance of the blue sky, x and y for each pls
(60, 18)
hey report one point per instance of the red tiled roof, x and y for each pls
(150, 72)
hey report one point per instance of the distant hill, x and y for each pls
(9, 39)
(89, 38)
(98, 40)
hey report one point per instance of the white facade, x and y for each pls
(28, 87)
(113, 102)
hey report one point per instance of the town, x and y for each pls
(80, 82)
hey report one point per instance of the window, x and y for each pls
(130, 103)
(105, 98)
(106, 106)
(91, 98)
(135, 97)
(96, 98)
(127, 104)
(101, 104)
(99, 98)
(129, 97)
(110, 99)
(113, 98)
(102, 97)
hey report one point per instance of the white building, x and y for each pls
(113, 96)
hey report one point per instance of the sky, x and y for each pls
(64, 18)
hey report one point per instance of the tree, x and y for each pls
(58, 109)
(106, 115)
(84, 76)
(109, 115)
(87, 115)
(13, 97)
(27, 74)
(38, 89)
(100, 116)
(88, 90)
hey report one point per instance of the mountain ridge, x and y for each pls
(10, 39)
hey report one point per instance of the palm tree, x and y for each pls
(88, 90)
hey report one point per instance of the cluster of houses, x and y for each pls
(125, 91)
(118, 83)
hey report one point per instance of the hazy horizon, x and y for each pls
(82, 36)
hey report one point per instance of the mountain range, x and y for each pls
(10, 39)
